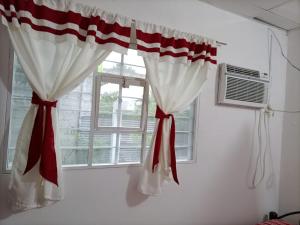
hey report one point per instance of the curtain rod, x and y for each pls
(219, 43)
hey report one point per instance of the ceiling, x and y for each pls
(284, 14)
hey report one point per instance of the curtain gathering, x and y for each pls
(59, 43)
(177, 64)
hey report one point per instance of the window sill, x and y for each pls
(103, 166)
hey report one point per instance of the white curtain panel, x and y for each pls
(58, 43)
(177, 65)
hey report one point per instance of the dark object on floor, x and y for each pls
(274, 215)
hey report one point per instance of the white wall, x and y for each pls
(213, 190)
(290, 162)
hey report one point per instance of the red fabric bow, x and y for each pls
(161, 116)
(42, 141)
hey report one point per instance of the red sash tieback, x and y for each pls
(42, 141)
(161, 116)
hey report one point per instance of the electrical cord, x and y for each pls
(269, 109)
(264, 149)
(263, 136)
(271, 178)
(260, 159)
(281, 50)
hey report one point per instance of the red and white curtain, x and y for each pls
(177, 65)
(58, 43)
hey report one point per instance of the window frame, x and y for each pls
(5, 114)
(120, 80)
(99, 77)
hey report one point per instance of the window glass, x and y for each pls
(20, 103)
(132, 58)
(110, 67)
(74, 112)
(130, 147)
(108, 105)
(114, 57)
(104, 148)
(132, 104)
(134, 71)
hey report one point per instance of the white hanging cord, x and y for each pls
(252, 147)
(260, 160)
(271, 110)
(263, 137)
(264, 149)
(270, 50)
(271, 178)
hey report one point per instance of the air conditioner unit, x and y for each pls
(243, 87)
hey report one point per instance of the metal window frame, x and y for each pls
(96, 129)
(115, 79)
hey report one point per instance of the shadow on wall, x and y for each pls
(5, 90)
(133, 197)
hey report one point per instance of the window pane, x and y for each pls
(72, 138)
(114, 57)
(188, 112)
(149, 139)
(151, 104)
(104, 149)
(183, 139)
(20, 103)
(108, 105)
(130, 155)
(74, 123)
(130, 147)
(132, 58)
(184, 153)
(132, 100)
(74, 144)
(74, 156)
(184, 124)
(110, 67)
(134, 71)
(151, 123)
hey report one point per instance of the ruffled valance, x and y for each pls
(67, 19)
(168, 44)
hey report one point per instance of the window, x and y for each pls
(108, 119)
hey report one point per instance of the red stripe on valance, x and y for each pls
(41, 12)
(164, 42)
(61, 17)
(69, 31)
(177, 55)
(205, 58)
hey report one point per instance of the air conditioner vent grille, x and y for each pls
(242, 71)
(245, 90)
